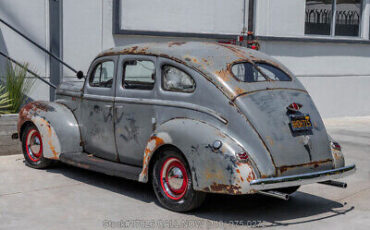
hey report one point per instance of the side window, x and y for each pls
(246, 72)
(102, 75)
(273, 73)
(138, 74)
(176, 80)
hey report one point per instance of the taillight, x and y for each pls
(335, 146)
(243, 156)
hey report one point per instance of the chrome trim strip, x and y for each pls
(177, 104)
(301, 179)
(99, 97)
(69, 93)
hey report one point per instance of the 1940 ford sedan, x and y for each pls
(190, 118)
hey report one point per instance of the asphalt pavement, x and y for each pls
(64, 197)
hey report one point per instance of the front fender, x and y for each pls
(57, 125)
(216, 171)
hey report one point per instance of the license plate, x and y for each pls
(300, 122)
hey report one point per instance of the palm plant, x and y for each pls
(17, 85)
(5, 102)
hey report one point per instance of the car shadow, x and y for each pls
(262, 211)
(133, 189)
(250, 210)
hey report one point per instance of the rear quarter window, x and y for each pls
(248, 72)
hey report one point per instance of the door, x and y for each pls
(135, 117)
(97, 109)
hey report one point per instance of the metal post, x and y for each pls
(55, 31)
(251, 8)
(333, 18)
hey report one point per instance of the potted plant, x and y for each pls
(5, 102)
(17, 86)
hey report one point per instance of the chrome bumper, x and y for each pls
(301, 179)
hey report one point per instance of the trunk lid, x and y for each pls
(290, 151)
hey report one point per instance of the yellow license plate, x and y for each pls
(301, 123)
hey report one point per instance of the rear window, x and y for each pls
(248, 72)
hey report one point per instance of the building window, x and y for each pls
(333, 17)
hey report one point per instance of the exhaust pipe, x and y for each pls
(334, 183)
(276, 194)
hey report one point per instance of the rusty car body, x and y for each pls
(236, 120)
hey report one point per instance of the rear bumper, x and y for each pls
(301, 179)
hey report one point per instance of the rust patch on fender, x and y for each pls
(153, 143)
(49, 134)
(223, 188)
(31, 109)
(251, 176)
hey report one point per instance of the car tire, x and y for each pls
(172, 182)
(32, 147)
(288, 190)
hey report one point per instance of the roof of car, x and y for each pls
(212, 59)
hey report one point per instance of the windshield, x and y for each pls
(248, 72)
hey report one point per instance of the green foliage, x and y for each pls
(17, 86)
(4, 101)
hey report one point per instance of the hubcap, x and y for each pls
(174, 178)
(34, 145)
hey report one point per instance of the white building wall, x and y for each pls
(280, 18)
(32, 18)
(336, 74)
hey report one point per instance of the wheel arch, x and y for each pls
(23, 127)
(57, 125)
(157, 153)
(211, 170)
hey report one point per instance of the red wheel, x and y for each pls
(172, 183)
(174, 178)
(32, 146)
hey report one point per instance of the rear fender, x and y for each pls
(216, 171)
(57, 125)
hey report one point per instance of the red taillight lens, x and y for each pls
(336, 146)
(242, 156)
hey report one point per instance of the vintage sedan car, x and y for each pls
(189, 117)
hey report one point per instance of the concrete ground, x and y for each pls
(64, 197)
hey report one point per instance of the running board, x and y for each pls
(85, 161)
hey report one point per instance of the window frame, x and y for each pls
(124, 71)
(261, 72)
(92, 74)
(181, 69)
(333, 22)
